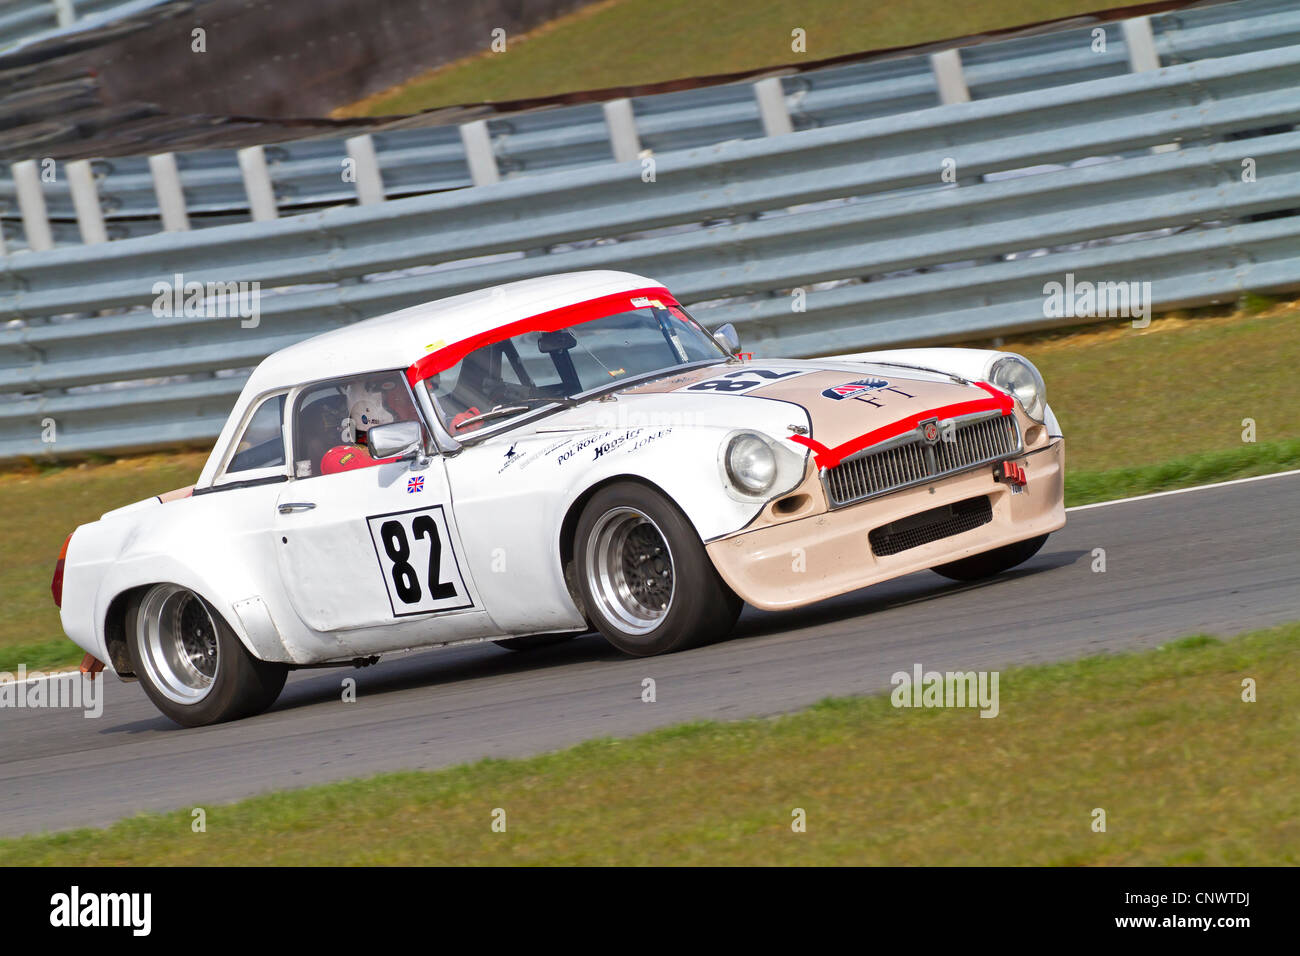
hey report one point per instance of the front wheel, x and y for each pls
(191, 664)
(993, 562)
(646, 581)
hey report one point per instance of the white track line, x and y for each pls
(1183, 491)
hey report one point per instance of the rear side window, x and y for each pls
(262, 443)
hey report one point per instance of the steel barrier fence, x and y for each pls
(827, 240)
(305, 175)
(28, 21)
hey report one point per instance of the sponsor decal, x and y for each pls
(604, 448)
(854, 389)
(864, 390)
(647, 439)
(416, 484)
(513, 457)
(579, 446)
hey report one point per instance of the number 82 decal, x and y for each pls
(419, 565)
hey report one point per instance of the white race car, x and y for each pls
(524, 463)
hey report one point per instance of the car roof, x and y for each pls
(398, 339)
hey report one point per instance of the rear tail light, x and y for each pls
(56, 585)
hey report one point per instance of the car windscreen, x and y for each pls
(534, 368)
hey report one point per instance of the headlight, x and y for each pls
(1018, 376)
(751, 464)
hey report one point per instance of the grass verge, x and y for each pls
(1183, 386)
(632, 42)
(1186, 772)
(1089, 487)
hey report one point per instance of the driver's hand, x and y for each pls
(465, 416)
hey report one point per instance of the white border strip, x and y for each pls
(1183, 491)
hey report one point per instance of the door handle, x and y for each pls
(293, 507)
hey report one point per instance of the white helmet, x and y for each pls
(366, 407)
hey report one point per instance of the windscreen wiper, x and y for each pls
(523, 405)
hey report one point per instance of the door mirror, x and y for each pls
(727, 337)
(398, 440)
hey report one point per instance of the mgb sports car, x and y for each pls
(527, 463)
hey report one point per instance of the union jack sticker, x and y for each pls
(415, 484)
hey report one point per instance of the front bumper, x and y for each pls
(810, 559)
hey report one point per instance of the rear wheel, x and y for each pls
(646, 581)
(190, 662)
(993, 562)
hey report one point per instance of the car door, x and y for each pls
(376, 546)
(372, 547)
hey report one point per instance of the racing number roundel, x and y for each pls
(420, 569)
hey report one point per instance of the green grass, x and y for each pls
(633, 42)
(1088, 487)
(1186, 771)
(1127, 398)
(41, 508)
(1142, 411)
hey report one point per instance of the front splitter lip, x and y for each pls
(809, 559)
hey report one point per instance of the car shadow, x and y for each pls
(434, 667)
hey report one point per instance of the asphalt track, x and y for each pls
(1217, 560)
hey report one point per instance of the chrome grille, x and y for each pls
(914, 460)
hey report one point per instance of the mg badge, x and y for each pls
(930, 430)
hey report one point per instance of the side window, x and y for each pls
(331, 420)
(262, 443)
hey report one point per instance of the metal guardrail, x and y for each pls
(856, 215)
(211, 188)
(27, 21)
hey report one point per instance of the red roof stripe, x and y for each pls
(551, 321)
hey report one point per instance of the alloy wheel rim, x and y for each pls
(630, 570)
(178, 643)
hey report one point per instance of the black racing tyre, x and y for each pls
(534, 642)
(993, 562)
(190, 662)
(647, 584)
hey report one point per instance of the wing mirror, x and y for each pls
(400, 440)
(728, 338)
